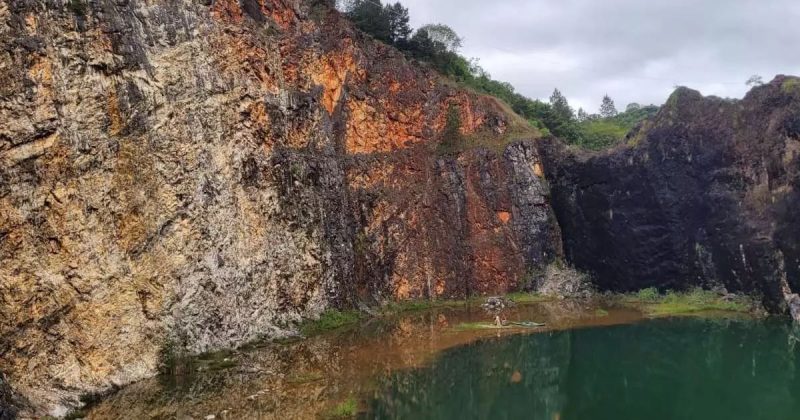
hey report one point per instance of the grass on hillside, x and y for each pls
(488, 139)
(601, 134)
(791, 85)
(304, 378)
(518, 128)
(675, 303)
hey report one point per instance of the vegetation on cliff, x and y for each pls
(437, 45)
(602, 131)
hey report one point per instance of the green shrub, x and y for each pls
(649, 294)
(344, 410)
(791, 85)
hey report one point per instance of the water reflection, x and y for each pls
(509, 378)
(306, 378)
(660, 369)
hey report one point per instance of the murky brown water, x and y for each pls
(304, 379)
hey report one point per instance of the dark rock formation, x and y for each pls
(705, 194)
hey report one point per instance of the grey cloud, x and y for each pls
(634, 50)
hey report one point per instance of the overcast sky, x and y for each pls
(634, 50)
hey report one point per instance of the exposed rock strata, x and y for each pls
(193, 175)
(706, 194)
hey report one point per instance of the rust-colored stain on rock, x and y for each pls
(504, 216)
(516, 377)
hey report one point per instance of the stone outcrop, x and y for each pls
(705, 194)
(188, 176)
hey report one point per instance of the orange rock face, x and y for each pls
(195, 177)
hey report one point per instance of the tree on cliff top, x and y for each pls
(559, 118)
(399, 28)
(607, 108)
(561, 106)
(438, 45)
(369, 16)
(443, 35)
(754, 80)
(388, 23)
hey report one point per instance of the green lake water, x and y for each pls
(679, 368)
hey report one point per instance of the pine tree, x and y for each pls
(560, 119)
(561, 106)
(371, 17)
(607, 108)
(399, 29)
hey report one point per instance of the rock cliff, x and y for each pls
(187, 176)
(705, 194)
(182, 176)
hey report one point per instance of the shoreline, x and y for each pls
(275, 379)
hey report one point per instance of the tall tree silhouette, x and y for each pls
(607, 108)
